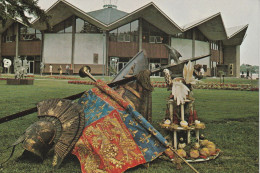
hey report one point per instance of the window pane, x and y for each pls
(86, 27)
(113, 35)
(124, 29)
(79, 25)
(134, 26)
(68, 25)
(152, 39)
(158, 39)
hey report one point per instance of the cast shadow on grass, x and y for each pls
(32, 158)
(29, 157)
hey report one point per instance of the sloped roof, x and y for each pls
(234, 30)
(235, 35)
(107, 15)
(110, 18)
(197, 22)
(152, 14)
(8, 23)
(61, 10)
(212, 27)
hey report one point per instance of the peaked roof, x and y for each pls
(107, 15)
(62, 10)
(236, 35)
(152, 14)
(110, 18)
(212, 27)
(8, 23)
(234, 30)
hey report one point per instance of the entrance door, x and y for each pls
(31, 67)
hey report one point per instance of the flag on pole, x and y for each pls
(115, 137)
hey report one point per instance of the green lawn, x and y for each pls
(231, 118)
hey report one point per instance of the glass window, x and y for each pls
(134, 31)
(124, 29)
(134, 26)
(152, 39)
(83, 26)
(113, 35)
(124, 33)
(27, 33)
(159, 39)
(79, 25)
(68, 25)
(151, 34)
(38, 35)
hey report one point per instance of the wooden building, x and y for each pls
(102, 37)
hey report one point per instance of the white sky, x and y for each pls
(234, 13)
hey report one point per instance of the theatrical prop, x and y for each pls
(105, 129)
(182, 121)
(20, 70)
(7, 64)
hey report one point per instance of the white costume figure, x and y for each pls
(7, 64)
(50, 69)
(179, 88)
(42, 67)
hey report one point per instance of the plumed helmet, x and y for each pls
(60, 125)
(38, 138)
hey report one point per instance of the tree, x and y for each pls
(21, 9)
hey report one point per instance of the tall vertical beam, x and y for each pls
(237, 64)
(169, 42)
(107, 46)
(140, 34)
(73, 42)
(193, 43)
(42, 48)
(221, 60)
(104, 52)
(17, 40)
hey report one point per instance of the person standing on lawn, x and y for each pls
(50, 67)
(67, 69)
(60, 70)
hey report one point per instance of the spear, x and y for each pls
(84, 72)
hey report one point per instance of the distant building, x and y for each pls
(96, 38)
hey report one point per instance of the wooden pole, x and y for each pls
(182, 112)
(188, 136)
(175, 138)
(198, 135)
(170, 102)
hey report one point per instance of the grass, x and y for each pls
(231, 118)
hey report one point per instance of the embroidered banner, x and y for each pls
(106, 145)
(99, 105)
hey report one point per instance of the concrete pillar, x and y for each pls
(73, 42)
(237, 64)
(140, 34)
(169, 42)
(220, 53)
(193, 44)
(209, 59)
(17, 40)
(104, 52)
(107, 46)
(42, 48)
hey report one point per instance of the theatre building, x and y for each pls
(108, 38)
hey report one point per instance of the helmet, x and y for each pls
(60, 125)
(38, 138)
